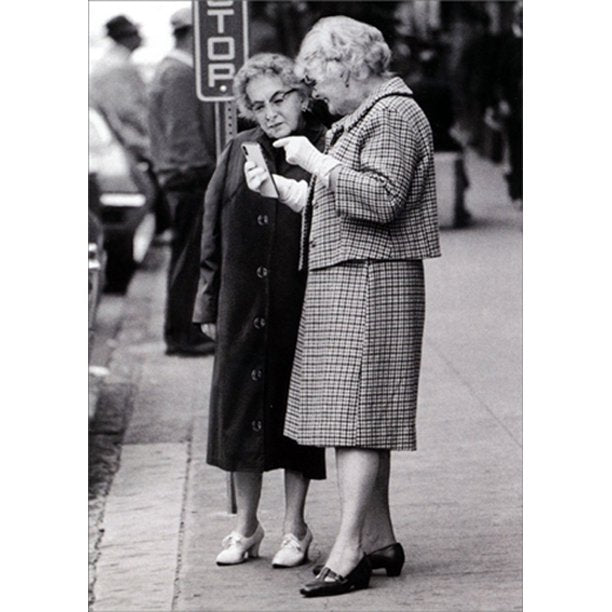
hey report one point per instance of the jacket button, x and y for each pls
(257, 425)
(262, 220)
(259, 322)
(262, 272)
(312, 243)
(256, 374)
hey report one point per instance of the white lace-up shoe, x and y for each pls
(293, 552)
(238, 548)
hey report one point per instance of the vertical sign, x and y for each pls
(221, 46)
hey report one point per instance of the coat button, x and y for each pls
(257, 425)
(256, 374)
(259, 322)
(262, 272)
(262, 220)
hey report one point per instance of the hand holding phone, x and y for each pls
(254, 176)
(253, 153)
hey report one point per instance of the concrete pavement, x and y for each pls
(456, 502)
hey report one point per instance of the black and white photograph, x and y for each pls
(305, 343)
(326, 357)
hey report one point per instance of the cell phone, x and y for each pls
(252, 152)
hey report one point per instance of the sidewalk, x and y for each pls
(456, 502)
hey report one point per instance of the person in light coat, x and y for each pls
(117, 88)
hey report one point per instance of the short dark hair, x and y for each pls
(120, 27)
(181, 33)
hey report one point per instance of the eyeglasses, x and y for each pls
(276, 102)
(322, 72)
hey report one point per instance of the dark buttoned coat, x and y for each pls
(250, 286)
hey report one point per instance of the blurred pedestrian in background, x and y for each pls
(183, 150)
(117, 87)
(250, 300)
(370, 222)
(475, 72)
(509, 98)
(118, 91)
(434, 95)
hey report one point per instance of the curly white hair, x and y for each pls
(265, 63)
(338, 44)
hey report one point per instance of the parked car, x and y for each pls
(96, 267)
(96, 256)
(125, 198)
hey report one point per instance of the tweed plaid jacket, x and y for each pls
(384, 206)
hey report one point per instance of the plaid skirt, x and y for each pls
(356, 368)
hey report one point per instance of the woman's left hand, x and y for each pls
(254, 176)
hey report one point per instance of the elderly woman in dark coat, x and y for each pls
(250, 300)
(370, 220)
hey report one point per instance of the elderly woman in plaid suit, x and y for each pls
(369, 220)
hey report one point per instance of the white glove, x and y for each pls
(254, 175)
(301, 152)
(291, 192)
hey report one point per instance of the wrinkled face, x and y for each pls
(277, 107)
(335, 88)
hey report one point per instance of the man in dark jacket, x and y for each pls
(435, 97)
(183, 150)
(510, 101)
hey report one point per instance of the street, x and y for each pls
(158, 513)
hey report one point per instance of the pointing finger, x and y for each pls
(281, 142)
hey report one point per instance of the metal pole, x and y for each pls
(226, 122)
(218, 131)
(232, 508)
(225, 129)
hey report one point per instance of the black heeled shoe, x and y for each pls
(391, 558)
(329, 583)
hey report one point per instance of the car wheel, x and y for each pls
(120, 265)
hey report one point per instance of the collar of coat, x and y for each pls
(394, 86)
(181, 56)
